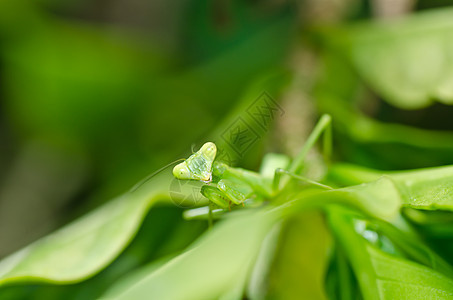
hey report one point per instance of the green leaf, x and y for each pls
(379, 199)
(409, 61)
(429, 188)
(87, 245)
(218, 261)
(340, 280)
(381, 275)
(409, 242)
(301, 259)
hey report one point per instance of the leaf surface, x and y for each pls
(87, 245)
(384, 276)
(409, 61)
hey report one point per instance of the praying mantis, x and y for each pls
(226, 186)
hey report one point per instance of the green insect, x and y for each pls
(226, 186)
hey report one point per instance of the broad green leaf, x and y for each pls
(218, 261)
(410, 243)
(407, 61)
(340, 280)
(301, 259)
(87, 245)
(397, 277)
(258, 282)
(163, 231)
(132, 278)
(379, 198)
(343, 174)
(429, 188)
(381, 275)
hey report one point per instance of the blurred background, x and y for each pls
(95, 95)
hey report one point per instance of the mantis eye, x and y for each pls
(209, 149)
(181, 172)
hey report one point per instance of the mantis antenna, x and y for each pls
(147, 178)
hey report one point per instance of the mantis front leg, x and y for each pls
(324, 125)
(279, 172)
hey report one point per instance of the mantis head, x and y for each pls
(199, 165)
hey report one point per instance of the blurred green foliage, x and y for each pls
(97, 94)
(115, 99)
